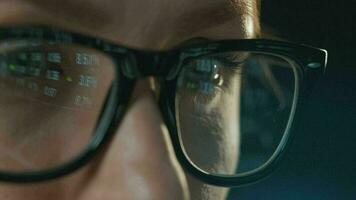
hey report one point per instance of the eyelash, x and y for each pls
(201, 87)
(211, 70)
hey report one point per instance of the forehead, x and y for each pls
(154, 24)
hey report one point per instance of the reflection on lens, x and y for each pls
(51, 97)
(233, 109)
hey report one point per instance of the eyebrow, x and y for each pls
(203, 18)
(74, 10)
(190, 23)
(200, 18)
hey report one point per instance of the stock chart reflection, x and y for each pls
(50, 100)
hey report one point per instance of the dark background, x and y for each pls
(321, 163)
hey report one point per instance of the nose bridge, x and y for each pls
(145, 141)
(139, 160)
(144, 64)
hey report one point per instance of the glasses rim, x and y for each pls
(251, 175)
(305, 57)
(311, 65)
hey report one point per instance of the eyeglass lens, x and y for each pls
(50, 101)
(233, 109)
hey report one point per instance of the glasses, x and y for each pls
(228, 105)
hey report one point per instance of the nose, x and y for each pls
(139, 162)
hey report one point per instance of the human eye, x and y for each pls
(247, 108)
(210, 75)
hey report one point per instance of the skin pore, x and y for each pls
(139, 163)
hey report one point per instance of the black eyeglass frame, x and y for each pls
(165, 66)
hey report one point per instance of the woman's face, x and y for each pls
(139, 163)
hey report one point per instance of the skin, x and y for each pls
(139, 163)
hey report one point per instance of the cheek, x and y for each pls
(59, 189)
(138, 163)
(210, 130)
(38, 134)
(211, 137)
